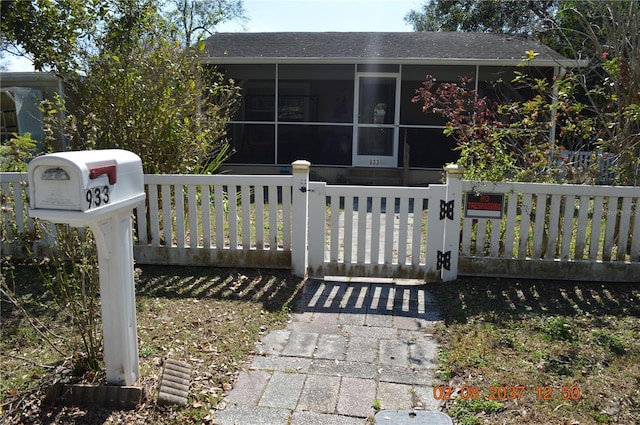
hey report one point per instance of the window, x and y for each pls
(315, 93)
(496, 83)
(258, 84)
(253, 143)
(319, 144)
(428, 148)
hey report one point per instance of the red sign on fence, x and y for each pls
(484, 205)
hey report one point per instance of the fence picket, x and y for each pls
(403, 230)
(435, 228)
(348, 229)
(273, 217)
(6, 188)
(180, 215)
(18, 205)
(245, 194)
(581, 231)
(220, 213)
(567, 226)
(609, 231)
(510, 226)
(375, 224)
(259, 221)
(494, 244)
(596, 223)
(335, 229)
(31, 226)
(192, 207)
(140, 214)
(554, 222)
(232, 217)
(205, 206)
(166, 214)
(538, 232)
(361, 240)
(635, 242)
(154, 216)
(317, 226)
(286, 218)
(416, 237)
(388, 229)
(525, 219)
(624, 215)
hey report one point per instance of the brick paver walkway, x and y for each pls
(349, 346)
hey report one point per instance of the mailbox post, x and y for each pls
(99, 189)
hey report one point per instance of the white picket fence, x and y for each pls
(215, 220)
(574, 232)
(375, 231)
(547, 231)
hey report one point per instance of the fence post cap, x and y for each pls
(454, 169)
(300, 165)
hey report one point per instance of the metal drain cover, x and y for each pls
(174, 387)
(411, 417)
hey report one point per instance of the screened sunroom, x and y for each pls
(343, 101)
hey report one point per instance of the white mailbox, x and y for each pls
(91, 182)
(99, 189)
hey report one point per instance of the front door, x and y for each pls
(377, 114)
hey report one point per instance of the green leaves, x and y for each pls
(481, 15)
(156, 100)
(51, 32)
(15, 152)
(63, 35)
(595, 109)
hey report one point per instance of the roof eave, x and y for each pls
(564, 63)
(10, 77)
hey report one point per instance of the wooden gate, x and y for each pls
(377, 231)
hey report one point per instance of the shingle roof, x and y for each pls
(382, 45)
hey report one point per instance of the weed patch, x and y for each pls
(467, 412)
(558, 329)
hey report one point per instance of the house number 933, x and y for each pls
(97, 196)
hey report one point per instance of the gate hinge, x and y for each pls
(446, 209)
(444, 260)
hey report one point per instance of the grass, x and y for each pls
(210, 318)
(557, 339)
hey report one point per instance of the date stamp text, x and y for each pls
(507, 392)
